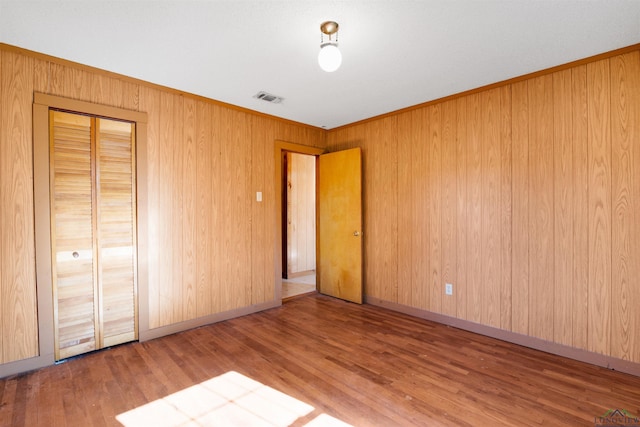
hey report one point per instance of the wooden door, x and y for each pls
(340, 225)
(116, 239)
(74, 290)
(92, 178)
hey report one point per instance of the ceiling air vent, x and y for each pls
(269, 97)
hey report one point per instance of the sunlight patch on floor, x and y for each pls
(231, 399)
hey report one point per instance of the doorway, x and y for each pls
(280, 255)
(298, 224)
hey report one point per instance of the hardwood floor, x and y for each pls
(363, 365)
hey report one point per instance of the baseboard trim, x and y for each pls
(26, 365)
(597, 359)
(206, 320)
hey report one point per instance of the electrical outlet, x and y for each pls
(448, 289)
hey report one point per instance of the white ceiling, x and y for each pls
(395, 53)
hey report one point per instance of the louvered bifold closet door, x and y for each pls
(93, 232)
(75, 287)
(115, 183)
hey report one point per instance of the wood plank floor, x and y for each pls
(363, 365)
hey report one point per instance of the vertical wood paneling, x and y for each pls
(563, 207)
(204, 213)
(506, 208)
(598, 96)
(40, 76)
(150, 102)
(625, 158)
(541, 249)
(206, 239)
(474, 214)
(166, 183)
(189, 188)
(583, 208)
(520, 199)
(449, 205)
(236, 179)
(419, 210)
(491, 253)
(405, 228)
(435, 209)
(259, 272)
(381, 236)
(580, 288)
(176, 208)
(216, 209)
(460, 287)
(17, 265)
(545, 216)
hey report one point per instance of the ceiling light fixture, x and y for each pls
(329, 57)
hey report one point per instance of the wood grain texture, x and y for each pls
(436, 285)
(17, 265)
(340, 224)
(599, 133)
(520, 219)
(175, 164)
(380, 237)
(115, 185)
(73, 233)
(491, 165)
(150, 102)
(405, 226)
(178, 127)
(189, 236)
(564, 206)
(236, 197)
(506, 208)
(541, 237)
(474, 213)
(462, 206)
(206, 223)
(166, 182)
(449, 205)
(419, 237)
(261, 271)
(384, 369)
(592, 255)
(625, 166)
(580, 281)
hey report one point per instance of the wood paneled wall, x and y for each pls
(301, 213)
(211, 245)
(525, 196)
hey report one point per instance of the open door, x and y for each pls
(339, 211)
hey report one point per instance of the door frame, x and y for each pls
(41, 176)
(280, 148)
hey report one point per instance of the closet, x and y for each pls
(93, 232)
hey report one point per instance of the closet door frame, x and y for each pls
(44, 280)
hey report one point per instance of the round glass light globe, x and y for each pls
(329, 58)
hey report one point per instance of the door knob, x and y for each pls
(356, 233)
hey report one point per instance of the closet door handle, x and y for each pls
(75, 254)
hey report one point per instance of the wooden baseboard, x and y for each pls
(206, 320)
(26, 365)
(597, 359)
